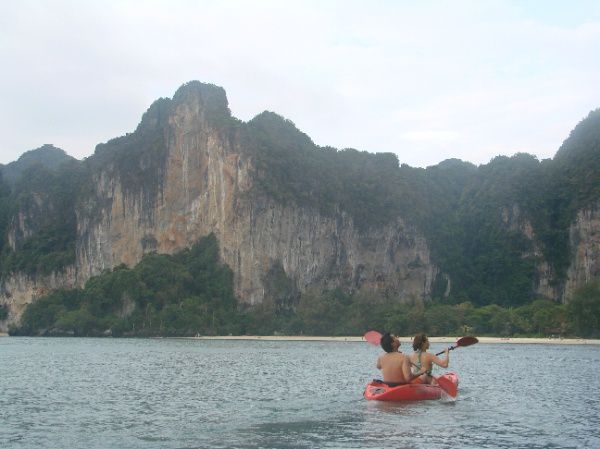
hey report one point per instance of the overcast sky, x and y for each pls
(426, 80)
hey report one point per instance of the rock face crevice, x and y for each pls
(584, 241)
(584, 237)
(543, 284)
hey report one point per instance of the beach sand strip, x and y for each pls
(449, 340)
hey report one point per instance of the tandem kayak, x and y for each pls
(378, 391)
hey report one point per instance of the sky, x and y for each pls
(426, 80)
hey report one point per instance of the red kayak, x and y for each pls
(378, 391)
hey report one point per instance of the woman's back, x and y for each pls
(422, 360)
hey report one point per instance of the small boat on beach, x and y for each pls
(377, 390)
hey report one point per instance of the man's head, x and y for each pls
(389, 342)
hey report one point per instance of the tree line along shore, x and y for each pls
(191, 293)
(354, 339)
(447, 340)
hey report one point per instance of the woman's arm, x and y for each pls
(439, 362)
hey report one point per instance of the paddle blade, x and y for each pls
(466, 341)
(448, 386)
(373, 337)
(461, 343)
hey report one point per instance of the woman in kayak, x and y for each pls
(422, 361)
(394, 365)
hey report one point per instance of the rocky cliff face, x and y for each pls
(20, 290)
(190, 170)
(584, 237)
(206, 187)
(543, 284)
(198, 179)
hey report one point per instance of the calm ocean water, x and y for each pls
(130, 393)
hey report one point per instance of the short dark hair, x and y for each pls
(419, 340)
(386, 342)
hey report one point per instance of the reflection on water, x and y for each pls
(100, 393)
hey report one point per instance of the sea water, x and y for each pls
(178, 393)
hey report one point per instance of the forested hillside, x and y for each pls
(45, 183)
(458, 206)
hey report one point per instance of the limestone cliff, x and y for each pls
(187, 171)
(191, 169)
(206, 186)
(584, 236)
(20, 289)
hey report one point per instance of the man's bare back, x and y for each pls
(395, 367)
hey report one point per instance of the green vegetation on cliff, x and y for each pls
(47, 156)
(292, 169)
(457, 206)
(191, 293)
(584, 310)
(184, 294)
(5, 211)
(473, 217)
(44, 199)
(469, 228)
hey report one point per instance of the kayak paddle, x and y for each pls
(461, 343)
(373, 337)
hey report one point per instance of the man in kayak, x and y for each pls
(394, 365)
(422, 361)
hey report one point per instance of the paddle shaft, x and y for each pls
(449, 349)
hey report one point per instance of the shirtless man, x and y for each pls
(394, 365)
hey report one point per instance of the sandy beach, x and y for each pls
(449, 340)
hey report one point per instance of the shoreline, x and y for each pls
(450, 340)
(352, 339)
